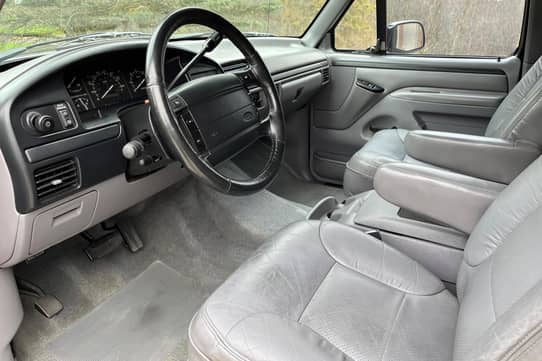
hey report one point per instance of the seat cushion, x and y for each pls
(325, 291)
(384, 147)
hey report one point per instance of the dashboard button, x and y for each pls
(65, 115)
(177, 103)
(145, 161)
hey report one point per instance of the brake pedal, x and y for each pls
(130, 235)
(99, 248)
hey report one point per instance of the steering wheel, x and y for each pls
(208, 120)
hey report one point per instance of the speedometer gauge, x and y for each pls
(136, 80)
(107, 87)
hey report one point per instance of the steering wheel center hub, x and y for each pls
(216, 111)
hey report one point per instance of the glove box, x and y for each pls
(298, 93)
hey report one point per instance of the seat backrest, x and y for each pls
(519, 117)
(500, 280)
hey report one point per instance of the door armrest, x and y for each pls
(493, 159)
(453, 199)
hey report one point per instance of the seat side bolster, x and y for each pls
(516, 335)
(374, 259)
(493, 159)
(450, 198)
(259, 336)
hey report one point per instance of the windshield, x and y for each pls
(26, 22)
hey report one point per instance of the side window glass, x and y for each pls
(463, 27)
(357, 29)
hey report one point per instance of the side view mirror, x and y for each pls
(406, 36)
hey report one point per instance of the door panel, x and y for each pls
(370, 93)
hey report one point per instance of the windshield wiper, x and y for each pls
(72, 40)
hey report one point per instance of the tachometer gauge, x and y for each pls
(107, 87)
(136, 79)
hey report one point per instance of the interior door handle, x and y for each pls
(367, 85)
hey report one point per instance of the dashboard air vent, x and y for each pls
(325, 75)
(235, 67)
(56, 178)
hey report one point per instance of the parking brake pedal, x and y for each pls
(47, 305)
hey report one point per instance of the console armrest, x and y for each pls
(453, 199)
(494, 159)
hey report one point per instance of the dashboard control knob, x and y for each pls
(133, 149)
(31, 118)
(44, 124)
(40, 123)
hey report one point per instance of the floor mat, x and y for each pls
(286, 185)
(202, 234)
(143, 321)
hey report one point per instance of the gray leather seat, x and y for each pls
(324, 291)
(517, 119)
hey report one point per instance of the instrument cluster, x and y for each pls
(96, 89)
(104, 88)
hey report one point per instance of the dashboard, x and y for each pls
(65, 118)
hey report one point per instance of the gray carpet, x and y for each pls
(143, 321)
(200, 233)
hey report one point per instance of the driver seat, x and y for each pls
(324, 291)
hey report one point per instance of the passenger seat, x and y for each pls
(511, 142)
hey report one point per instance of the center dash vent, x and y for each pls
(325, 76)
(235, 67)
(56, 178)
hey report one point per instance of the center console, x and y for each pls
(437, 247)
(424, 212)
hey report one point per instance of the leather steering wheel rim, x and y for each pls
(175, 139)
